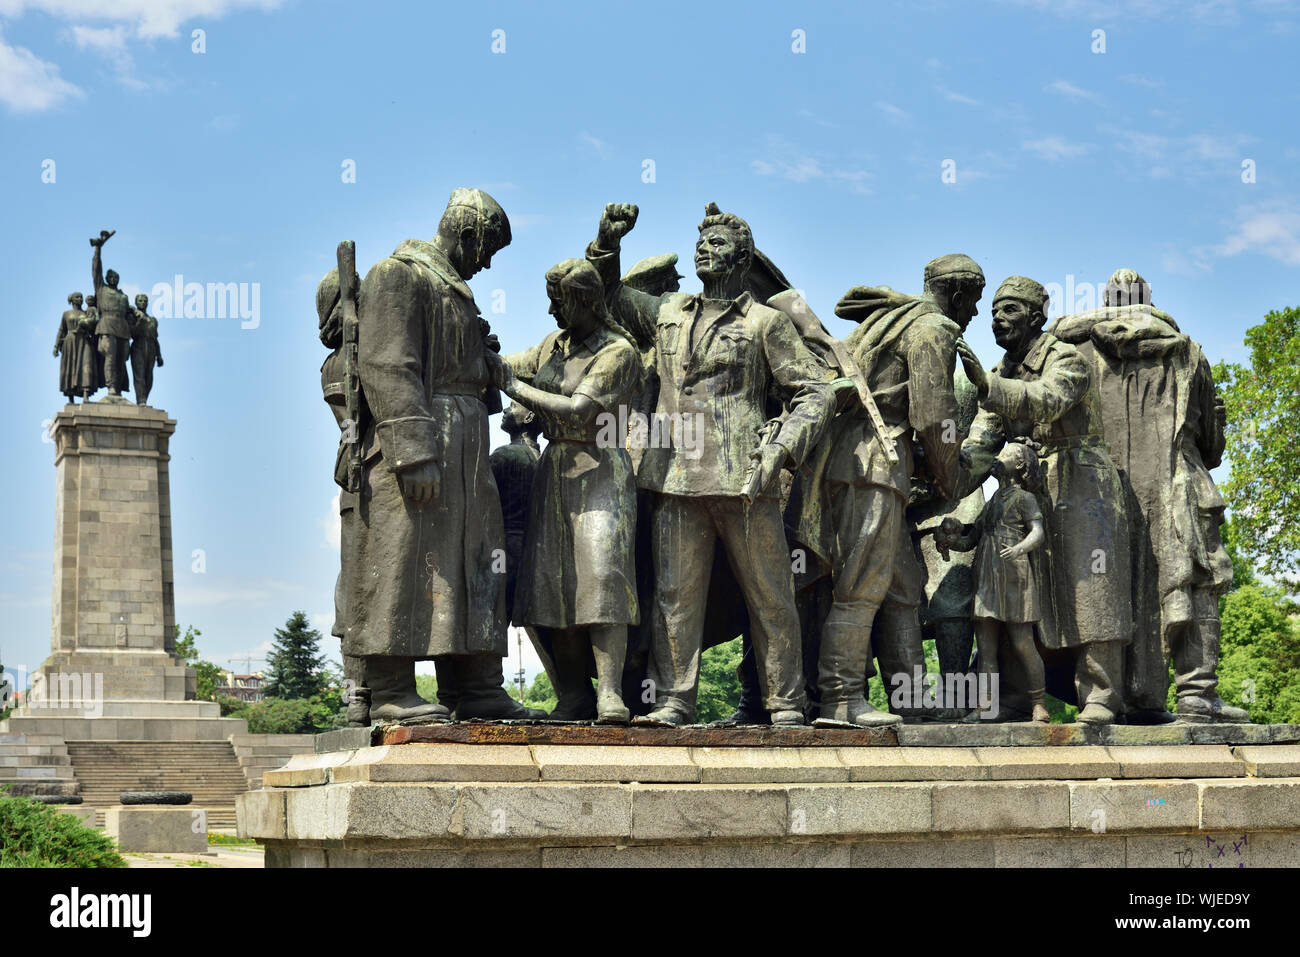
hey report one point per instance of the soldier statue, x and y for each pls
(1164, 424)
(428, 573)
(114, 327)
(1043, 388)
(719, 355)
(145, 351)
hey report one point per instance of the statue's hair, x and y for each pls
(1031, 472)
(578, 278)
(715, 217)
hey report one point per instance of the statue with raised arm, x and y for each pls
(713, 458)
(145, 352)
(114, 328)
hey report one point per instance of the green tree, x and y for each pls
(296, 668)
(719, 692)
(1263, 407)
(207, 676)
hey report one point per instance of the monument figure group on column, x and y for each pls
(97, 345)
(836, 480)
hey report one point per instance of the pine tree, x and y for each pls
(295, 665)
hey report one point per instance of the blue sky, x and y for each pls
(226, 166)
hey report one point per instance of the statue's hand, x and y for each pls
(160, 362)
(1011, 551)
(615, 223)
(765, 465)
(57, 350)
(974, 369)
(421, 483)
(503, 377)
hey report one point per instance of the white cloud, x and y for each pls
(1055, 148)
(29, 84)
(1066, 88)
(788, 162)
(107, 28)
(890, 110)
(955, 97)
(148, 19)
(1273, 230)
(599, 145)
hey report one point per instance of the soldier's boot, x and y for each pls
(574, 698)
(481, 693)
(354, 677)
(609, 645)
(393, 697)
(1039, 699)
(1196, 671)
(842, 678)
(1094, 713)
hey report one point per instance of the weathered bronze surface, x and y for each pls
(708, 453)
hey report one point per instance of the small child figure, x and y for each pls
(1006, 596)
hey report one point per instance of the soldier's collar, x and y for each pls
(430, 256)
(741, 303)
(1036, 357)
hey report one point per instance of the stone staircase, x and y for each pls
(209, 770)
(258, 753)
(35, 764)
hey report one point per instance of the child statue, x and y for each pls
(1007, 590)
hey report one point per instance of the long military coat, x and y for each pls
(425, 581)
(1051, 397)
(1157, 404)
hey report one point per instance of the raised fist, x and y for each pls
(615, 223)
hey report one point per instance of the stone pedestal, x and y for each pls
(453, 804)
(113, 623)
(177, 830)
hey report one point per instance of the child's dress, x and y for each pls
(1007, 589)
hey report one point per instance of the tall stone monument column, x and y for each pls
(113, 607)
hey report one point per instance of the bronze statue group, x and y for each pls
(720, 464)
(96, 344)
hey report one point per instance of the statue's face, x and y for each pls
(557, 305)
(77, 301)
(1009, 462)
(718, 253)
(111, 278)
(474, 252)
(142, 302)
(1013, 323)
(959, 302)
(90, 300)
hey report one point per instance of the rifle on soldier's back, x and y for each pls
(347, 258)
